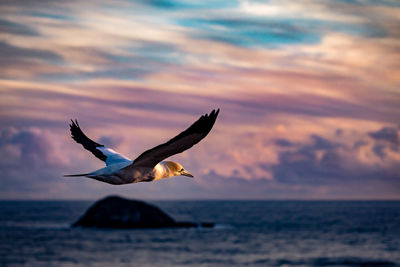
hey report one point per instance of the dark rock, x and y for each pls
(117, 212)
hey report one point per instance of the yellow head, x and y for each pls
(177, 169)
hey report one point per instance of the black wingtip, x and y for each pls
(213, 113)
(79, 137)
(74, 123)
(208, 121)
(74, 127)
(216, 112)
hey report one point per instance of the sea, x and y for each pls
(247, 233)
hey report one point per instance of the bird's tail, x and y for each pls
(75, 175)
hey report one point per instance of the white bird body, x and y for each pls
(108, 173)
(149, 166)
(114, 173)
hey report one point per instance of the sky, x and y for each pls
(309, 93)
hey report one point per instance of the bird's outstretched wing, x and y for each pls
(179, 143)
(107, 155)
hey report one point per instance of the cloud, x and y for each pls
(11, 53)
(386, 142)
(31, 164)
(323, 162)
(162, 4)
(283, 142)
(19, 62)
(319, 167)
(314, 163)
(250, 32)
(30, 149)
(388, 134)
(16, 28)
(308, 93)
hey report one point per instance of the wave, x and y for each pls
(325, 262)
(350, 261)
(35, 225)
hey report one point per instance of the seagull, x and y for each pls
(148, 166)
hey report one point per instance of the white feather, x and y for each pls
(113, 157)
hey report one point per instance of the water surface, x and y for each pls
(248, 233)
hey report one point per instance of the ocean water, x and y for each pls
(247, 233)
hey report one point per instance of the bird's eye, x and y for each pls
(181, 170)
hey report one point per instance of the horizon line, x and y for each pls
(215, 199)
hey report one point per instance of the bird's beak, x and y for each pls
(185, 173)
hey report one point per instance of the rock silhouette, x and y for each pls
(117, 212)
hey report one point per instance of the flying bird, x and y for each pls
(148, 166)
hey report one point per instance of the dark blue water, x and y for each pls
(248, 233)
